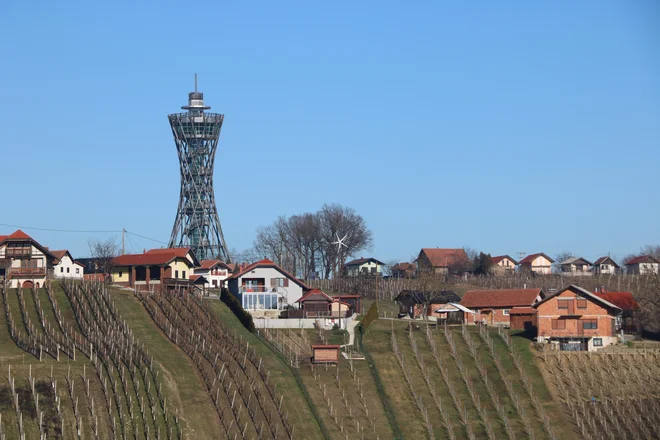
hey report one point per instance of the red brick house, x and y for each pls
(403, 270)
(493, 307)
(575, 319)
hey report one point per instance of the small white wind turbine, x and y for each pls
(339, 243)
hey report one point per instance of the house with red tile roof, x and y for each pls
(265, 289)
(605, 265)
(503, 264)
(538, 263)
(403, 270)
(442, 261)
(493, 307)
(66, 267)
(155, 269)
(643, 265)
(215, 272)
(575, 319)
(23, 261)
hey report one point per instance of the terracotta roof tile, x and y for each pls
(500, 298)
(268, 263)
(522, 311)
(643, 259)
(18, 234)
(444, 257)
(155, 257)
(623, 300)
(602, 260)
(502, 257)
(532, 257)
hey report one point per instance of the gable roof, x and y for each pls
(456, 305)
(643, 259)
(60, 254)
(266, 263)
(532, 257)
(361, 261)
(155, 257)
(500, 298)
(21, 236)
(623, 300)
(403, 266)
(209, 264)
(312, 293)
(602, 260)
(444, 257)
(575, 260)
(582, 292)
(420, 296)
(502, 257)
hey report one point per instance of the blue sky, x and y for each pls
(503, 126)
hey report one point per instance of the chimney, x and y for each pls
(602, 289)
(144, 251)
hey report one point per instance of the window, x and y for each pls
(505, 311)
(558, 324)
(176, 274)
(61, 269)
(77, 270)
(562, 304)
(590, 324)
(120, 274)
(598, 342)
(183, 274)
(581, 303)
(68, 270)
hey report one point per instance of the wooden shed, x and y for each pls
(325, 354)
(523, 318)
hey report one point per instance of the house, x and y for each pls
(605, 265)
(66, 266)
(575, 319)
(215, 272)
(265, 287)
(363, 266)
(442, 261)
(451, 313)
(575, 266)
(316, 304)
(156, 269)
(493, 307)
(503, 265)
(92, 265)
(539, 264)
(628, 305)
(23, 261)
(403, 270)
(419, 304)
(642, 265)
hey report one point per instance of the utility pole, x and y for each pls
(123, 232)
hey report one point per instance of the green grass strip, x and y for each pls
(384, 398)
(301, 385)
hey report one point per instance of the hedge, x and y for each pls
(238, 310)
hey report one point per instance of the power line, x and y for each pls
(59, 230)
(146, 238)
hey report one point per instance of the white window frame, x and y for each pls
(505, 312)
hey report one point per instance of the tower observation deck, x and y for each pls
(197, 224)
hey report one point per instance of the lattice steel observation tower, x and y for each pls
(197, 224)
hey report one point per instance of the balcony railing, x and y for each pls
(260, 289)
(28, 271)
(18, 252)
(176, 282)
(297, 314)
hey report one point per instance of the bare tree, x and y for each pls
(104, 252)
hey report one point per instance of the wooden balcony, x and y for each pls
(27, 271)
(176, 282)
(18, 252)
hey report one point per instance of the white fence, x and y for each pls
(308, 323)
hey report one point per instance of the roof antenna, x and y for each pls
(195, 83)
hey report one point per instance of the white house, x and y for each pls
(216, 273)
(642, 265)
(575, 266)
(265, 287)
(538, 263)
(25, 262)
(363, 266)
(66, 266)
(605, 265)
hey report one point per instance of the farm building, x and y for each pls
(523, 318)
(493, 307)
(451, 313)
(575, 319)
(441, 261)
(155, 269)
(403, 270)
(420, 304)
(629, 307)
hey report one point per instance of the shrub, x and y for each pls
(237, 309)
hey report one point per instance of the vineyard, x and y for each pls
(609, 395)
